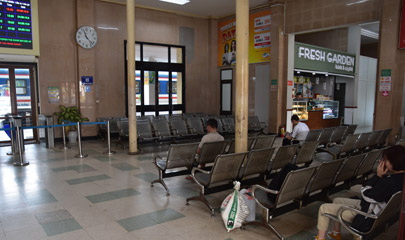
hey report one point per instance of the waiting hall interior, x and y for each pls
(200, 119)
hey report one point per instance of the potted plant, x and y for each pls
(70, 114)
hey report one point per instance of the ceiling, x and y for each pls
(373, 29)
(202, 8)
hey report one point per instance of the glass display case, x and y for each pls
(300, 109)
(330, 108)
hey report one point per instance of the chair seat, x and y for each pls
(262, 197)
(335, 149)
(202, 178)
(161, 164)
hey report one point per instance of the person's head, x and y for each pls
(295, 119)
(298, 95)
(233, 46)
(226, 48)
(212, 125)
(394, 158)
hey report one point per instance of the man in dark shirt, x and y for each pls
(375, 193)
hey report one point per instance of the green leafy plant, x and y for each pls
(70, 114)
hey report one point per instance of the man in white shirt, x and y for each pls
(211, 136)
(300, 132)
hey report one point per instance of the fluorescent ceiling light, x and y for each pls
(368, 33)
(180, 2)
(357, 2)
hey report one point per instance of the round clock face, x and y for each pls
(86, 37)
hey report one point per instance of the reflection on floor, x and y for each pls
(58, 196)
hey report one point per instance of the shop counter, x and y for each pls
(316, 121)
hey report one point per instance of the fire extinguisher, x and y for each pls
(282, 131)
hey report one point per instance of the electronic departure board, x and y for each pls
(15, 24)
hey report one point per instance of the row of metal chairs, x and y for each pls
(303, 186)
(261, 160)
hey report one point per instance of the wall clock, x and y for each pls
(86, 37)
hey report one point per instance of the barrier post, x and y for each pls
(64, 139)
(80, 155)
(14, 150)
(109, 152)
(20, 142)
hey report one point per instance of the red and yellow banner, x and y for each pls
(259, 39)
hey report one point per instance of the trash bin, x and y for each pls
(49, 133)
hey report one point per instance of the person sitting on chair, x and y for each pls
(300, 131)
(375, 193)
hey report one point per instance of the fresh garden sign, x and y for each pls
(309, 57)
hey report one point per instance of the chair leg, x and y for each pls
(202, 199)
(265, 222)
(160, 180)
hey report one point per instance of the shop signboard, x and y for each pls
(314, 58)
(259, 39)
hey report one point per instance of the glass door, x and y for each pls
(17, 98)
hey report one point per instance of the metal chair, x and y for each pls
(383, 138)
(306, 153)
(366, 166)
(226, 169)
(347, 172)
(362, 142)
(255, 125)
(196, 124)
(349, 131)
(229, 123)
(322, 181)
(178, 156)
(313, 135)
(373, 140)
(293, 188)
(382, 219)
(162, 129)
(264, 141)
(347, 147)
(144, 130)
(324, 138)
(256, 163)
(231, 147)
(337, 136)
(210, 150)
(283, 156)
(179, 127)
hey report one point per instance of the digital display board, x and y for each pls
(16, 24)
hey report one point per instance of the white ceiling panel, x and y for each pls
(203, 8)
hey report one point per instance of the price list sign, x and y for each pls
(15, 24)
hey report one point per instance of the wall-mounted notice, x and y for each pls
(385, 81)
(53, 95)
(15, 24)
(274, 85)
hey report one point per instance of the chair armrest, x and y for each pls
(200, 170)
(263, 188)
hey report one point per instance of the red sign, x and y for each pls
(290, 82)
(402, 28)
(385, 93)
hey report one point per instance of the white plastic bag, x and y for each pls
(250, 202)
(234, 209)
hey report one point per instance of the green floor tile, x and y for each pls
(103, 158)
(148, 177)
(55, 216)
(87, 179)
(78, 168)
(184, 192)
(64, 226)
(39, 197)
(149, 219)
(144, 158)
(108, 196)
(91, 152)
(124, 166)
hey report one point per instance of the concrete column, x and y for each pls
(242, 75)
(133, 145)
(278, 68)
(388, 108)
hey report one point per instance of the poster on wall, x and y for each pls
(385, 81)
(259, 39)
(53, 95)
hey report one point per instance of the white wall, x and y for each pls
(366, 91)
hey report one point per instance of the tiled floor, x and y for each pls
(58, 196)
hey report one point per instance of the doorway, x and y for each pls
(17, 97)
